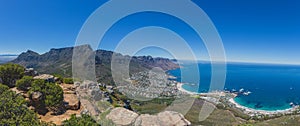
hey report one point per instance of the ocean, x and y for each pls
(273, 87)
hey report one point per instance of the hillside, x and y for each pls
(59, 61)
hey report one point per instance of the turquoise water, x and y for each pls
(273, 87)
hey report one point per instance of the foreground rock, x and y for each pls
(72, 102)
(89, 94)
(124, 117)
(147, 120)
(170, 118)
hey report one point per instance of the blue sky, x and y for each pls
(251, 30)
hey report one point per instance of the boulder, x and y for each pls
(72, 102)
(147, 120)
(36, 96)
(30, 72)
(122, 117)
(46, 77)
(170, 118)
(89, 107)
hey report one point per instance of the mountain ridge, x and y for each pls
(59, 61)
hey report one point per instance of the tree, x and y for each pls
(13, 109)
(9, 73)
(84, 120)
(24, 83)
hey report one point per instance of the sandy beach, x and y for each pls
(250, 110)
(179, 87)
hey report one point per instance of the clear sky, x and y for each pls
(251, 30)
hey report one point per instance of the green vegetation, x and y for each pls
(153, 106)
(288, 120)
(104, 121)
(219, 117)
(84, 120)
(68, 80)
(59, 78)
(52, 93)
(24, 83)
(3, 88)
(10, 73)
(13, 109)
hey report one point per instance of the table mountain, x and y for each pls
(59, 61)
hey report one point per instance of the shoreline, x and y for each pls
(246, 110)
(265, 112)
(180, 88)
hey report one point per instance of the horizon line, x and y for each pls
(198, 60)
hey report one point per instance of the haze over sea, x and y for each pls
(273, 87)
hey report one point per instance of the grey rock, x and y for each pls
(36, 96)
(147, 120)
(30, 72)
(170, 118)
(122, 117)
(46, 77)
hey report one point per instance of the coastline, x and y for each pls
(180, 88)
(265, 112)
(246, 110)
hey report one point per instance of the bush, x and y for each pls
(68, 81)
(59, 78)
(24, 83)
(84, 120)
(13, 109)
(10, 73)
(3, 88)
(52, 93)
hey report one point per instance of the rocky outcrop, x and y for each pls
(71, 102)
(46, 77)
(124, 117)
(89, 94)
(147, 120)
(90, 108)
(170, 118)
(30, 72)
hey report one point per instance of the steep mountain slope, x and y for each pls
(59, 61)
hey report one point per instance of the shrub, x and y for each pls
(52, 93)
(13, 109)
(3, 88)
(24, 83)
(68, 81)
(9, 73)
(84, 120)
(60, 78)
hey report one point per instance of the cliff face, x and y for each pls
(59, 61)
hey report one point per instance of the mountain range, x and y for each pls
(59, 61)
